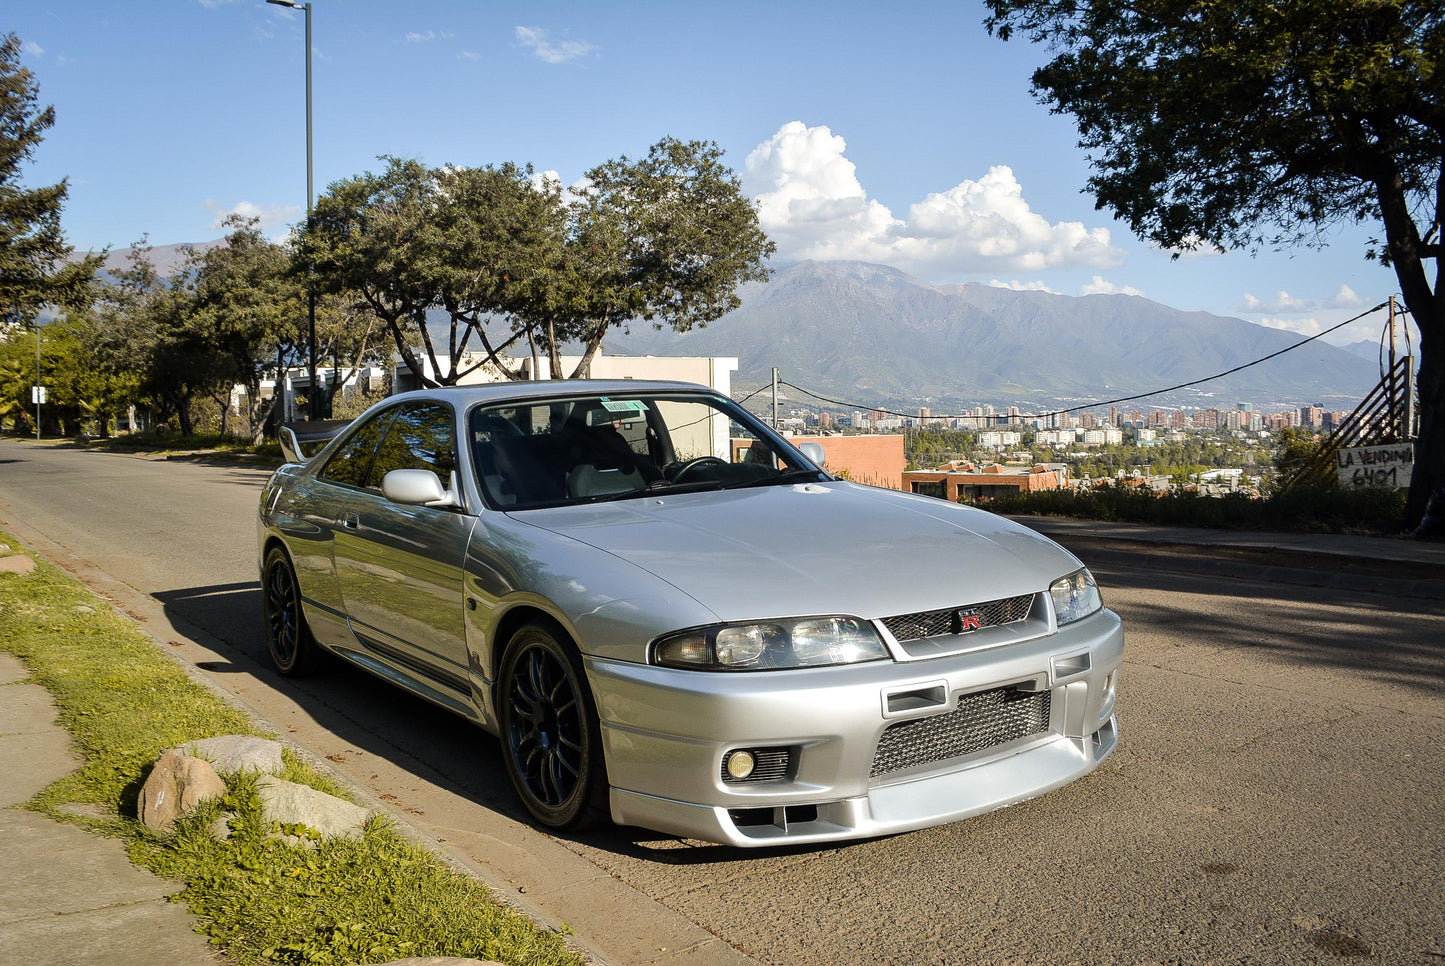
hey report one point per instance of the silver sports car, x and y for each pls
(670, 615)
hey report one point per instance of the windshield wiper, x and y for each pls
(685, 486)
(656, 486)
(787, 476)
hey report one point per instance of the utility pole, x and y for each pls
(1395, 421)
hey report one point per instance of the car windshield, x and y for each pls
(584, 449)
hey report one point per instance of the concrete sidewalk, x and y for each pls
(72, 898)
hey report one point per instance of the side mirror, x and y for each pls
(814, 452)
(417, 488)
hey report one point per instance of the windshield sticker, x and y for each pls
(624, 405)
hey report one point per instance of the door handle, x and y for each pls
(352, 521)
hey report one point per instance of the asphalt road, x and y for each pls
(1276, 796)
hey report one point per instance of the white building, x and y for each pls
(712, 371)
(999, 439)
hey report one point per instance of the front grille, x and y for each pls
(981, 721)
(959, 620)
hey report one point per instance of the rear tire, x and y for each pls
(551, 740)
(293, 649)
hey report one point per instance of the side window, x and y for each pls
(350, 464)
(423, 437)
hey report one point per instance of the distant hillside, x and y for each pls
(166, 258)
(871, 335)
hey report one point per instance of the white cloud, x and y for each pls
(1345, 298)
(470, 55)
(1309, 326)
(34, 49)
(553, 52)
(1287, 304)
(413, 37)
(276, 216)
(1098, 286)
(1023, 286)
(813, 206)
(1283, 304)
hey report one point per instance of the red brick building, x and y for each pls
(957, 480)
(873, 458)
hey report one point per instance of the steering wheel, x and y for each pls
(688, 466)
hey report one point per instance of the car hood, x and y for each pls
(818, 548)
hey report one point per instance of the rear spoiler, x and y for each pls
(299, 442)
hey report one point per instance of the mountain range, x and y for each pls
(872, 336)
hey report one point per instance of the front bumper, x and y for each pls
(665, 733)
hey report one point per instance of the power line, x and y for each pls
(1105, 402)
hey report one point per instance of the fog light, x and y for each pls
(740, 764)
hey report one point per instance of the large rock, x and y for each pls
(293, 804)
(17, 564)
(177, 784)
(231, 753)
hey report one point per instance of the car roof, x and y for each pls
(501, 392)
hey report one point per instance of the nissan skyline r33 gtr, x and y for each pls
(670, 615)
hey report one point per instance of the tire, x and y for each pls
(551, 741)
(293, 649)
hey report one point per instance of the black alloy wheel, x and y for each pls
(553, 747)
(292, 647)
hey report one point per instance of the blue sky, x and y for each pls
(906, 136)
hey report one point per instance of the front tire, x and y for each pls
(551, 741)
(293, 649)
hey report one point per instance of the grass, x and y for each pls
(1308, 510)
(151, 443)
(259, 899)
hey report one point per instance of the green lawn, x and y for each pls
(259, 899)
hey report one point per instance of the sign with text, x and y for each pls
(37, 394)
(1386, 467)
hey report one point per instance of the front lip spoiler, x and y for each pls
(886, 809)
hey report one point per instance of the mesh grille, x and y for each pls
(959, 620)
(981, 721)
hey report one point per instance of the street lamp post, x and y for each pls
(312, 394)
(37, 379)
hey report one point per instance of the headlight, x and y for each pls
(1075, 596)
(771, 645)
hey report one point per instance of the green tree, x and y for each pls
(512, 264)
(1292, 449)
(666, 240)
(413, 242)
(245, 296)
(35, 269)
(1251, 123)
(148, 326)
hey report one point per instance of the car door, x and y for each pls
(314, 511)
(400, 567)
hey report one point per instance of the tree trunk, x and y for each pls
(1408, 253)
(1428, 474)
(183, 415)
